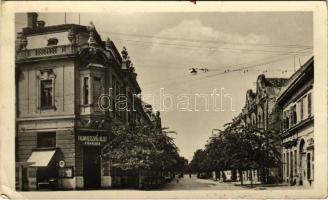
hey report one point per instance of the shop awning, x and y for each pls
(41, 158)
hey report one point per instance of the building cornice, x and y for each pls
(306, 69)
(297, 126)
(20, 119)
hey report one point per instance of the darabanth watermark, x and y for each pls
(216, 100)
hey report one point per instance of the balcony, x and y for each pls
(61, 50)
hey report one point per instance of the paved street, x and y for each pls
(194, 183)
(185, 184)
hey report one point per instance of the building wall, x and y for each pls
(299, 143)
(40, 41)
(29, 89)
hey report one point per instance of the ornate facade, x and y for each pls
(69, 86)
(260, 111)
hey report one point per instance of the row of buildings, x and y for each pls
(61, 126)
(285, 105)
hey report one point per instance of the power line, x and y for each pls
(211, 48)
(223, 73)
(208, 41)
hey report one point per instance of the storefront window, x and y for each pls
(295, 161)
(287, 169)
(308, 165)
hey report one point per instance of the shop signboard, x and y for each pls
(92, 140)
(66, 172)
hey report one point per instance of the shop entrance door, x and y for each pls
(91, 167)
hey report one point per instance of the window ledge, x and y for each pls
(86, 105)
(47, 108)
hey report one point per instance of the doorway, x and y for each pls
(91, 167)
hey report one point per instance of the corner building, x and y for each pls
(61, 71)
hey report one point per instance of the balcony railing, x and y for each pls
(46, 51)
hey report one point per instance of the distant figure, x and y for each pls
(189, 175)
(177, 179)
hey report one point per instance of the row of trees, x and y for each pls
(239, 148)
(143, 148)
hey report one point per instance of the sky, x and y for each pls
(164, 46)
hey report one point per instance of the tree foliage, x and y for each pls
(143, 147)
(238, 147)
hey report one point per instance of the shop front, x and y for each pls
(95, 170)
(42, 172)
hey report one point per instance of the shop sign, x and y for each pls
(61, 163)
(92, 140)
(66, 172)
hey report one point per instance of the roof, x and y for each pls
(295, 77)
(49, 29)
(277, 82)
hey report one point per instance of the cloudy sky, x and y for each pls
(164, 46)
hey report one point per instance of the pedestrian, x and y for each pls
(189, 175)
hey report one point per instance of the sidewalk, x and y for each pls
(247, 185)
(262, 186)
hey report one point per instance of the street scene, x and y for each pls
(164, 101)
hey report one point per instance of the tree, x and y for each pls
(239, 148)
(134, 147)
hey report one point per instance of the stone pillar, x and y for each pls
(20, 177)
(79, 182)
(32, 182)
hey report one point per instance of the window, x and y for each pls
(86, 90)
(284, 164)
(293, 115)
(301, 110)
(295, 161)
(52, 41)
(287, 169)
(259, 122)
(308, 163)
(286, 120)
(291, 164)
(309, 104)
(96, 89)
(46, 93)
(45, 140)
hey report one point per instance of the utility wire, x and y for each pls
(221, 73)
(211, 48)
(208, 41)
(239, 69)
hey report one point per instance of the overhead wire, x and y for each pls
(208, 41)
(209, 48)
(218, 74)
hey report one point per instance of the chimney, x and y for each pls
(31, 20)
